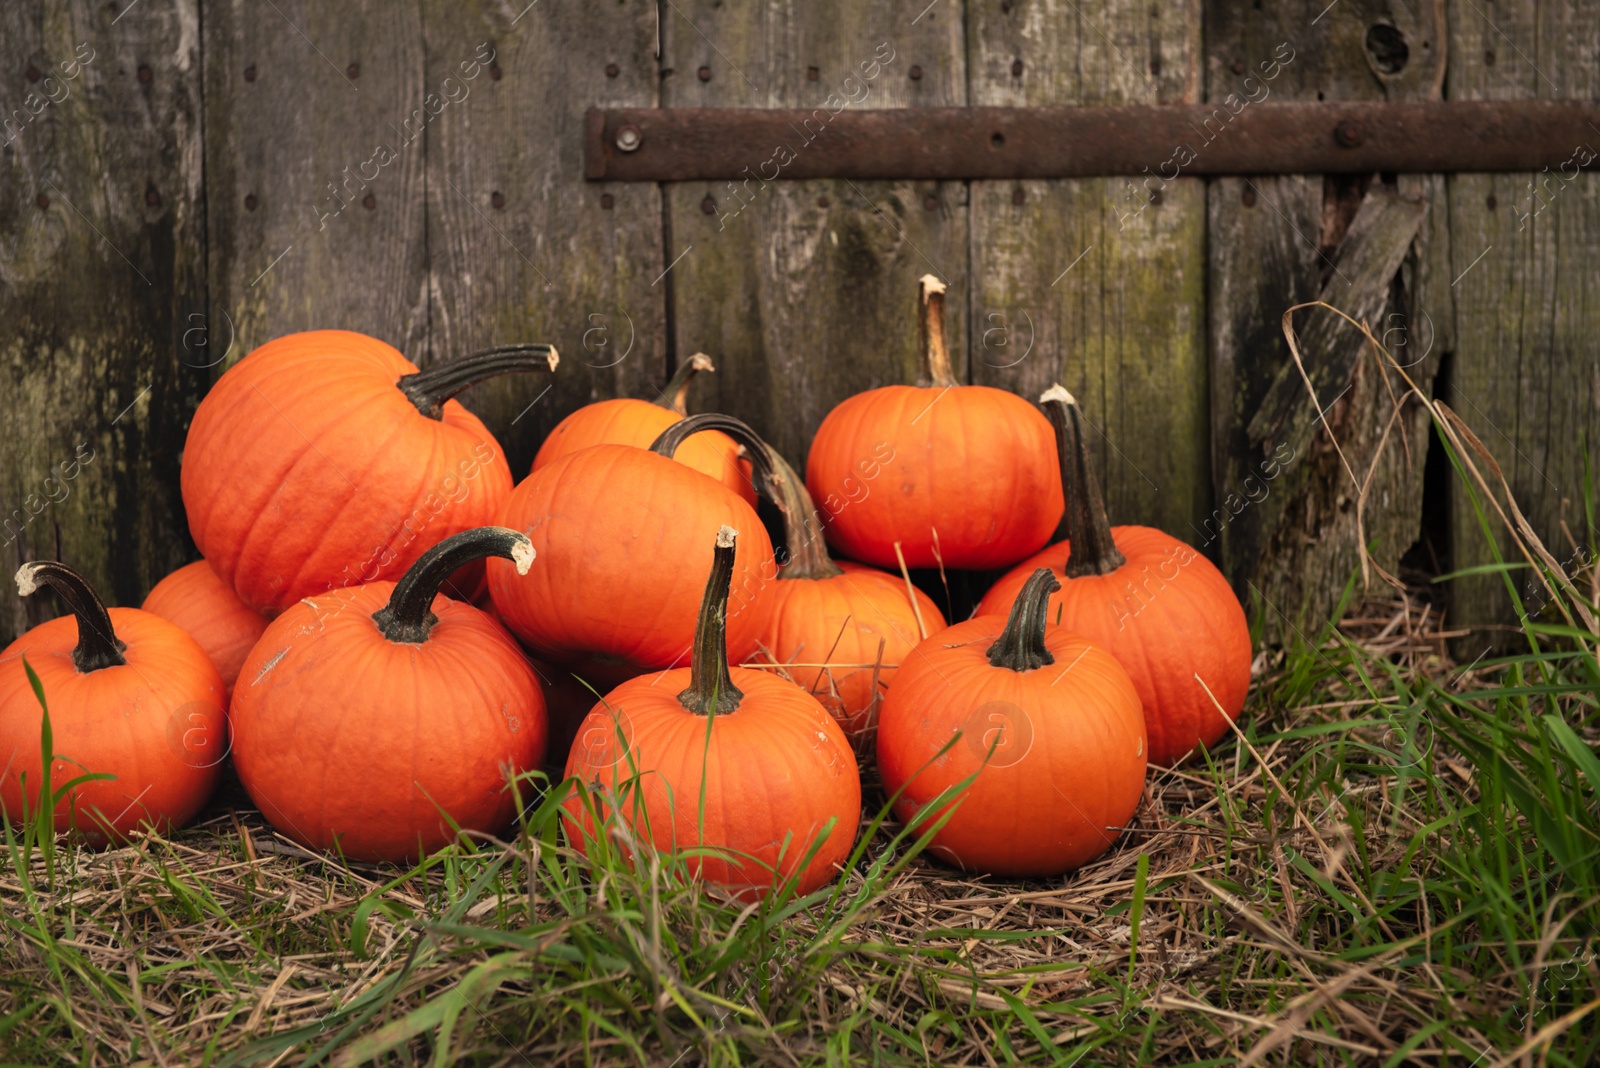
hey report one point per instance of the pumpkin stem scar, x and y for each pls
(1020, 646)
(711, 690)
(429, 389)
(98, 645)
(935, 351)
(408, 617)
(675, 397)
(1094, 551)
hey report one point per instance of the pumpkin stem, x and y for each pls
(98, 646)
(935, 353)
(777, 482)
(1020, 646)
(675, 397)
(711, 690)
(429, 389)
(1094, 551)
(408, 616)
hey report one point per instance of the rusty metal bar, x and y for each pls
(1165, 140)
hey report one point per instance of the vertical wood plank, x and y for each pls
(805, 292)
(102, 256)
(1286, 521)
(1526, 372)
(1098, 283)
(520, 247)
(314, 155)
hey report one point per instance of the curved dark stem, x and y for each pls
(776, 481)
(1020, 646)
(98, 645)
(1094, 551)
(675, 397)
(711, 690)
(935, 351)
(408, 617)
(429, 389)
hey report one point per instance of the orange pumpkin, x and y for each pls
(202, 604)
(626, 421)
(326, 459)
(1153, 602)
(961, 476)
(841, 628)
(1047, 727)
(730, 758)
(130, 695)
(375, 720)
(623, 533)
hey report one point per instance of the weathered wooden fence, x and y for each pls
(184, 179)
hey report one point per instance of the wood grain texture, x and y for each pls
(1098, 283)
(102, 261)
(805, 292)
(1286, 515)
(314, 164)
(1526, 372)
(520, 246)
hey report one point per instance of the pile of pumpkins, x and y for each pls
(387, 635)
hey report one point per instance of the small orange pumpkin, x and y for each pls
(961, 476)
(725, 757)
(202, 604)
(1051, 735)
(1153, 602)
(623, 533)
(841, 628)
(325, 459)
(130, 695)
(377, 719)
(626, 421)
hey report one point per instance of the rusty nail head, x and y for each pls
(144, 74)
(1249, 198)
(250, 73)
(353, 71)
(32, 73)
(812, 74)
(250, 202)
(494, 72)
(704, 73)
(628, 137)
(931, 202)
(607, 201)
(497, 199)
(1016, 68)
(151, 197)
(708, 205)
(369, 202)
(1238, 66)
(612, 70)
(823, 201)
(1018, 196)
(915, 72)
(42, 200)
(1349, 133)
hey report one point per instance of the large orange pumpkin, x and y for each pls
(130, 695)
(372, 719)
(961, 476)
(1156, 604)
(626, 421)
(734, 759)
(1050, 734)
(624, 535)
(202, 604)
(842, 629)
(326, 459)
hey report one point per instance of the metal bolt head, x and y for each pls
(1349, 133)
(628, 137)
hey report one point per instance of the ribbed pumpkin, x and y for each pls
(1152, 601)
(326, 459)
(841, 628)
(730, 758)
(202, 604)
(1050, 732)
(624, 535)
(369, 719)
(626, 421)
(130, 695)
(962, 476)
